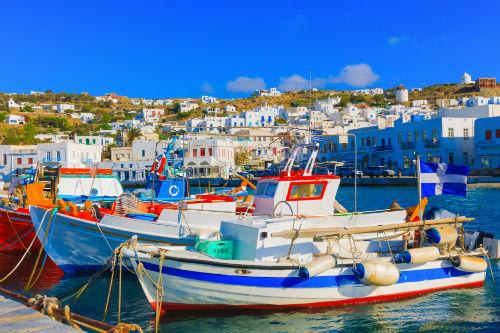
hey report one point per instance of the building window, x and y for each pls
(195, 152)
(485, 162)
(400, 137)
(30, 160)
(363, 142)
(409, 137)
(210, 152)
(451, 132)
(48, 156)
(143, 153)
(202, 152)
(450, 158)
(487, 135)
(4, 159)
(465, 158)
(19, 160)
(424, 135)
(417, 134)
(434, 134)
(58, 155)
(466, 134)
(497, 133)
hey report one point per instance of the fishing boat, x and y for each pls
(76, 242)
(309, 258)
(40, 187)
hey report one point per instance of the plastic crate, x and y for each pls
(221, 249)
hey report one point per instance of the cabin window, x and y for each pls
(261, 189)
(306, 191)
(270, 189)
(267, 189)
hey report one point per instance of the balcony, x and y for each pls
(384, 148)
(51, 159)
(489, 143)
(432, 143)
(407, 145)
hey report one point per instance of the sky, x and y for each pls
(227, 49)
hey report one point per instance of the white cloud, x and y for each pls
(207, 88)
(393, 40)
(358, 75)
(245, 84)
(298, 82)
(293, 82)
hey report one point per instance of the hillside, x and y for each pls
(46, 121)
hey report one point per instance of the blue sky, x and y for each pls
(228, 48)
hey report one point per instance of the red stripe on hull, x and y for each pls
(20, 223)
(169, 307)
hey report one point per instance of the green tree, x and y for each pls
(106, 151)
(184, 115)
(344, 100)
(280, 121)
(176, 108)
(241, 157)
(27, 108)
(132, 134)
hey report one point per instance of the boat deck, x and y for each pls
(16, 317)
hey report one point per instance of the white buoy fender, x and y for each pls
(442, 235)
(317, 266)
(376, 273)
(469, 264)
(419, 255)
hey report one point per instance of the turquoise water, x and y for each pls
(464, 310)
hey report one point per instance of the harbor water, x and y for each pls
(461, 310)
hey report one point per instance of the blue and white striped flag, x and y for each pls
(441, 178)
(316, 136)
(170, 157)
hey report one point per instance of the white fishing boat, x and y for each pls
(78, 241)
(310, 258)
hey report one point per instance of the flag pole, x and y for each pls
(419, 185)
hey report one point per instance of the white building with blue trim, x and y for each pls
(448, 139)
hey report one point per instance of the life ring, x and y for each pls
(159, 165)
(173, 190)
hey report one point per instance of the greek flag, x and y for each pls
(316, 136)
(170, 157)
(441, 178)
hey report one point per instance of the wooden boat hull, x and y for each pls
(208, 284)
(75, 243)
(16, 230)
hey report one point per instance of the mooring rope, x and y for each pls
(27, 250)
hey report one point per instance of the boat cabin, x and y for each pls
(298, 193)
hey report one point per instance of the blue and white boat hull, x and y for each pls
(78, 244)
(194, 281)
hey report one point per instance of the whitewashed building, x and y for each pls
(69, 154)
(466, 79)
(487, 141)
(209, 100)
(12, 104)
(13, 119)
(61, 108)
(150, 115)
(209, 157)
(94, 140)
(16, 157)
(268, 92)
